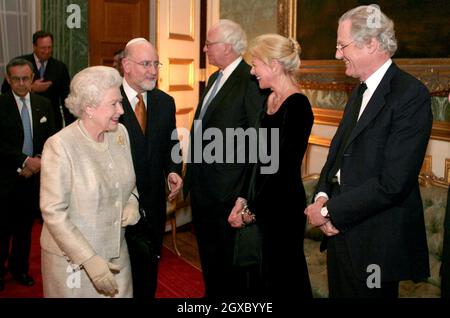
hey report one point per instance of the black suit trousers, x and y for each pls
(21, 207)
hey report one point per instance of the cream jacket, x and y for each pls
(85, 186)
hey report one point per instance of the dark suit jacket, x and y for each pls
(152, 153)
(238, 103)
(379, 210)
(11, 132)
(55, 71)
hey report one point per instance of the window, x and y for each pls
(17, 25)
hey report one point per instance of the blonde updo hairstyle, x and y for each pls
(88, 87)
(286, 51)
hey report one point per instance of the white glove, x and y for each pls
(100, 272)
(130, 214)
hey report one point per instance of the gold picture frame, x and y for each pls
(329, 74)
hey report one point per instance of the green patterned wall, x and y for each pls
(70, 44)
(255, 16)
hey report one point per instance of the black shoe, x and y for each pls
(24, 279)
(2, 283)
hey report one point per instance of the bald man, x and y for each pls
(150, 119)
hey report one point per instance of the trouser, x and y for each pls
(18, 212)
(342, 280)
(215, 238)
(144, 271)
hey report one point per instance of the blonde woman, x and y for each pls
(276, 201)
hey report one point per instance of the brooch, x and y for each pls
(121, 140)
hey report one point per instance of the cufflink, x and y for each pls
(324, 212)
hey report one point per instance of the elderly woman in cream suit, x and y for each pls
(87, 181)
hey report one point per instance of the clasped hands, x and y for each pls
(316, 219)
(32, 165)
(40, 85)
(240, 215)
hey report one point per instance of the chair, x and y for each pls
(172, 208)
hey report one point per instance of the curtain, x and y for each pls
(17, 25)
(70, 45)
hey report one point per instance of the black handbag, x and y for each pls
(140, 237)
(248, 246)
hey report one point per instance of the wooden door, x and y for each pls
(178, 45)
(112, 23)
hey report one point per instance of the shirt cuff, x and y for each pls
(321, 194)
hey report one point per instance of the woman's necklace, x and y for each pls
(274, 104)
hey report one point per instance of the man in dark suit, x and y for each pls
(368, 202)
(26, 121)
(51, 80)
(149, 115)
(232, 99)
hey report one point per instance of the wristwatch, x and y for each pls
(324, 212)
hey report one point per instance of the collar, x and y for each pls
(17, 98)
(131, 93)
(374, 80)
(38, 61)
(230, 68)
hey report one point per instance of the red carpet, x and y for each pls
(177, 278)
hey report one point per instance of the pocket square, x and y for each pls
(43, 120)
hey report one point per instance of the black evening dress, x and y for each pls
(278, 200)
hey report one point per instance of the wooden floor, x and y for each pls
(187, 244)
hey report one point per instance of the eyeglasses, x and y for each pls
(17, 79)
(208, 44)
(148, 64)
(342, 47)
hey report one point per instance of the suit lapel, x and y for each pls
(376, 103)
(36, 114)
(211, 81)
(152, 116)
(129, 118)
(223, 92)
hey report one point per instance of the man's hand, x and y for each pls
(315, 218)
(328, 229)
(26, 173)
(40, 85)
(34, 164)
(175, 183)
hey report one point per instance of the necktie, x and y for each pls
(141, 112)
(41, 69)
(27, 137)
(353, 114)
(211, 96)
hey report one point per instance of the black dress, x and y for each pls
(278, 200)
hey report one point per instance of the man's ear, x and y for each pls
(372, 45)
(7, 79)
